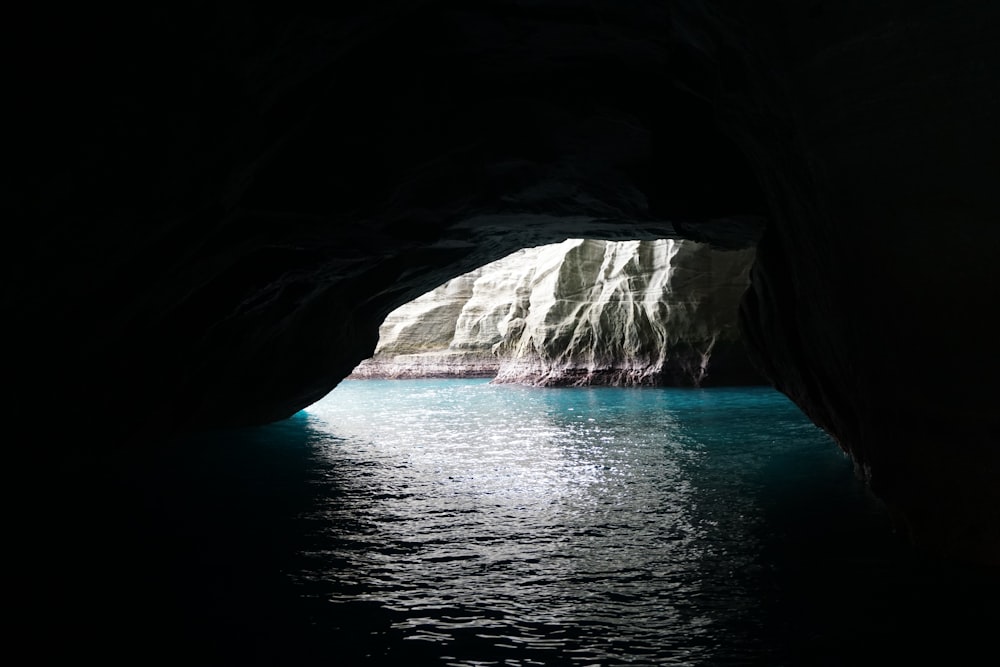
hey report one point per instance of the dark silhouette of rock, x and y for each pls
(210, 209)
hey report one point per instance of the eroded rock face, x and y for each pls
(577, 313)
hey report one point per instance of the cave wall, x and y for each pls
(212, 208)
(868, 291)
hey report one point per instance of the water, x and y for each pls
(459, 523)
(595, 526)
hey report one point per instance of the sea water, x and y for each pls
(456, 522)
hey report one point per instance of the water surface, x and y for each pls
(460, 523)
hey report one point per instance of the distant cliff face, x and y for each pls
(576, 313)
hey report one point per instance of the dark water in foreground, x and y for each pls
(455, 522)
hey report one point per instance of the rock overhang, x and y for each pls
(222, 227)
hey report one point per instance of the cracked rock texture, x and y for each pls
(580, 312)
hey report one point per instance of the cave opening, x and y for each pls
(210, 237)
(518, 516)
(485, 520)
(579, 313)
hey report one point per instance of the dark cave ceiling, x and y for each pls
(211, 208)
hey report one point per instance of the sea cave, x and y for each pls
(213, 210)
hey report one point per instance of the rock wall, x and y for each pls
(580, 312)
(450, 331)
(210, 211)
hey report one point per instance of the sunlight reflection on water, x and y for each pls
(582, 521)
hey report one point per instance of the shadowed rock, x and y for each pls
(211, 212)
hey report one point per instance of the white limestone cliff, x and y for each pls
(579, 312)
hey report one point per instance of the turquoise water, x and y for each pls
(589, 526)
(459, 523)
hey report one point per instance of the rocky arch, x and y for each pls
(215, 210)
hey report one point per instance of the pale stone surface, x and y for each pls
(578, 312)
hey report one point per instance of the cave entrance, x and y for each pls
(579, 313)
(460, 490)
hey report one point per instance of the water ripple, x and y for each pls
(534, 523)
(499, 525)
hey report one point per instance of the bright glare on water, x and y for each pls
(581, 526)
(454, 522)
